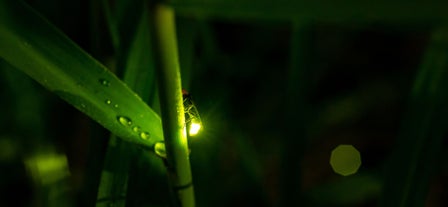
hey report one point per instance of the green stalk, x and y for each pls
(171, 103)
(418, 155)
(298, 113)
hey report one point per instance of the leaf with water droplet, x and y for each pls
(61, 66)
(159, 149)
(104, 82)
(125, 121)
(76, 101)
(144, 135)
(136, 129)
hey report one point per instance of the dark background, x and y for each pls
(268, 129)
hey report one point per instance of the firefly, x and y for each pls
(193, 121)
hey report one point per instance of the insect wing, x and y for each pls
(191, 112)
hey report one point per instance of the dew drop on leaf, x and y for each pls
(104, 82)
(108, 102)
(125, 121)
(136, 128)
(159, 149)
(144, 135)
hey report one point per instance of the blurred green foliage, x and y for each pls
(278, 85)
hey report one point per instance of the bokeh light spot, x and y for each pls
(345, 160)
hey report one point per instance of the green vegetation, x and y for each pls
(93, 113)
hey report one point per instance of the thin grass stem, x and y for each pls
(171, 103)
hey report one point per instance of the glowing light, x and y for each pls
(345, 160)
(194, 128)
(47, 168)
(192, 118)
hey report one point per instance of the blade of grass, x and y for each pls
(134, 56)
(140, 76)
(139, 62)
(112, 190)
(171, 102)
(33, 46)
(298, 114)
(111, 24)
(422, 132)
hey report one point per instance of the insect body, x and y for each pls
(192, 124)
(192, 119)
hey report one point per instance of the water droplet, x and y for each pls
(136, 129)
(125, 121)
(159, 149)
(144, 135)
(104, 82)
(108, 102)
(116, 105)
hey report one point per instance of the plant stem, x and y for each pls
(171, 104)
(420, 143)
(298, 113)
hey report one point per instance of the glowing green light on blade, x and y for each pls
(194, 128)
(192, 119)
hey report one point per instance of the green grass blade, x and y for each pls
(111, 24)
(32, 45)
(128, 27)
(134, 57)
(298, 113)
(113, 186)
(171, 102)
(420, 142)
(139, 62)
